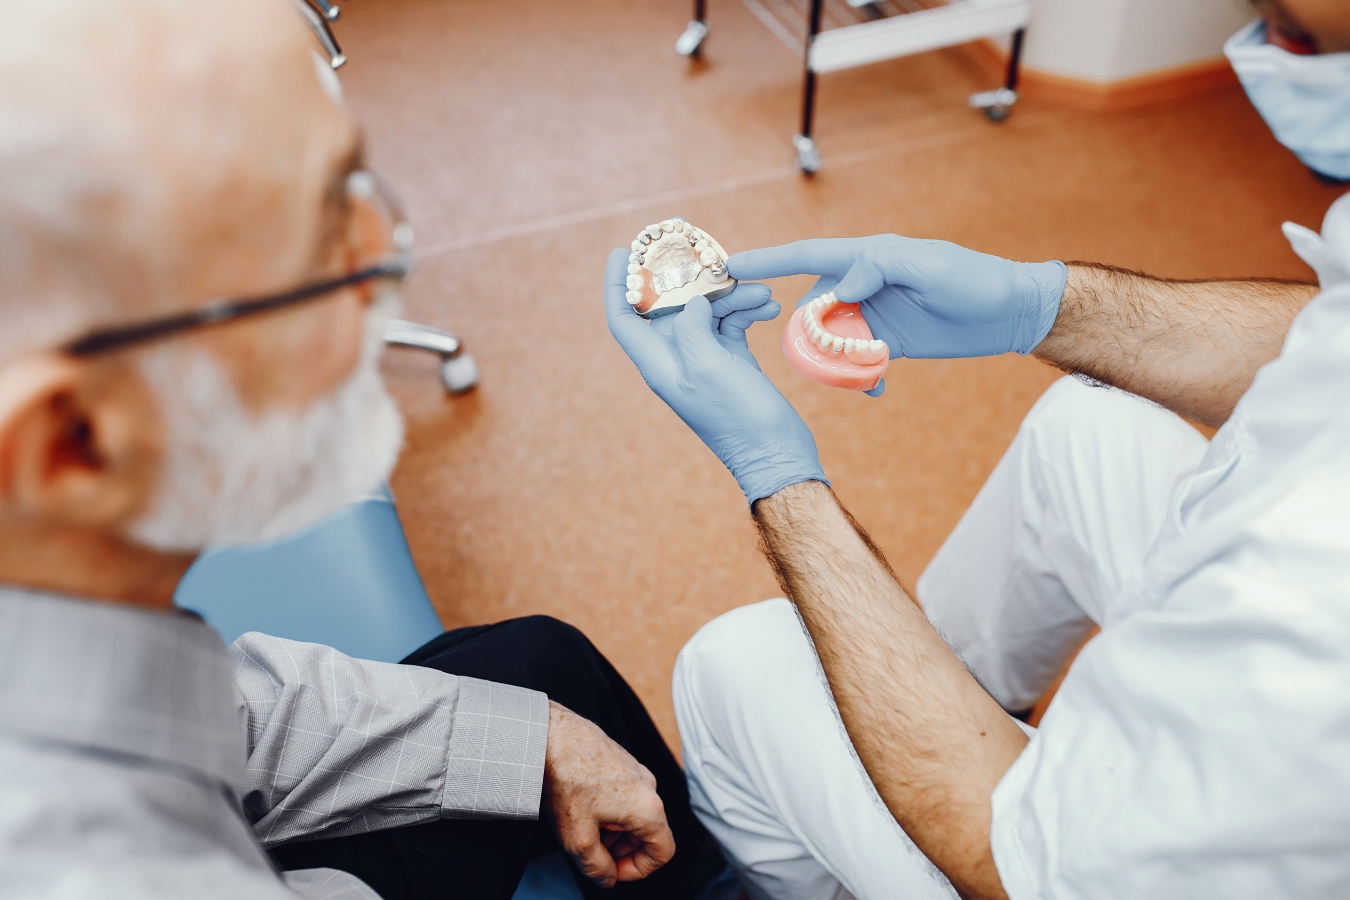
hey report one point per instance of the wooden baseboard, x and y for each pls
(1152, 88)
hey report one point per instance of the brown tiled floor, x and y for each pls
(531, 136)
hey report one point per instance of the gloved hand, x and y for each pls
(925, 299)
(698, 362)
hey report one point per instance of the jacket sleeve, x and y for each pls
(340, 746)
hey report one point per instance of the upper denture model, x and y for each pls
(829, 342)
(670, 264)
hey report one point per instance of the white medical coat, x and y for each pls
(1200, 745)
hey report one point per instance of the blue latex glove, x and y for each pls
(925, 299)
(698, 362)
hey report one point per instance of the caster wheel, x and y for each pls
(996, 105)
(691, 42)
(460, 374)
(808, 157)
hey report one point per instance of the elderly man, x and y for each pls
(1200, 745)
(156, 156)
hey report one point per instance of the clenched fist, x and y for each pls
(603, 802)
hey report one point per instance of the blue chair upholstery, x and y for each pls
(347, 581)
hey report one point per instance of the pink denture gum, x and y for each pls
(829, 342)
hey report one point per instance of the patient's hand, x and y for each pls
(603, 802)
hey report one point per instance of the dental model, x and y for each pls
(671, 264)
(829, 342)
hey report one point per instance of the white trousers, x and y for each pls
(1068, 513)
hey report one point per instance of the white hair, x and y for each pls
(232, 477)
(121, 122)
(87, 89)
(51, 195)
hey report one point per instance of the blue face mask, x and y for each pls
(1304, 99)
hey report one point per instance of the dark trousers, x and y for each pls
(481, 859)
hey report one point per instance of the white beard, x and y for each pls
(232, 477)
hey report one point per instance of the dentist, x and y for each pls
(1200, 744)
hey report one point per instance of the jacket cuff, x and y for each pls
(495, 761)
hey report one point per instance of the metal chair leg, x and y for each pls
(318, 23)
(808, 157)
(459, 370)
(691, 41)
(328, 10)
(997, 104)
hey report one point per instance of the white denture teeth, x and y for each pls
(676, 261)
(859, 350)
(634, 297)
(868, 352)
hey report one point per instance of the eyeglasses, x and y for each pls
(363, 186)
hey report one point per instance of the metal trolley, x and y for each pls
(868, 31)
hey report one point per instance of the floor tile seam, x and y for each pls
(731, 185)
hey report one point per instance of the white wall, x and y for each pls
(1109, 40)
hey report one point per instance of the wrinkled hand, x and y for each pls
(925, 299)
(698, 362)
(603, 803)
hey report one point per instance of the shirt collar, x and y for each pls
(157, 686)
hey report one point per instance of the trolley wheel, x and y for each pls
(997, 113)
(459, 373)
(996, 104)
(691, 42)
(808, 157)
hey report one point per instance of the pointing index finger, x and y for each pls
(820, 256)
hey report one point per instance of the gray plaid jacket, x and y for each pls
(139, 758)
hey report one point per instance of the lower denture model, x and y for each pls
(829, 342)
(671, 263)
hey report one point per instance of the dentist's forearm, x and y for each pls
(1191, 346)
(934, 743)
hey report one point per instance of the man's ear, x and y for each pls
(80, 443)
